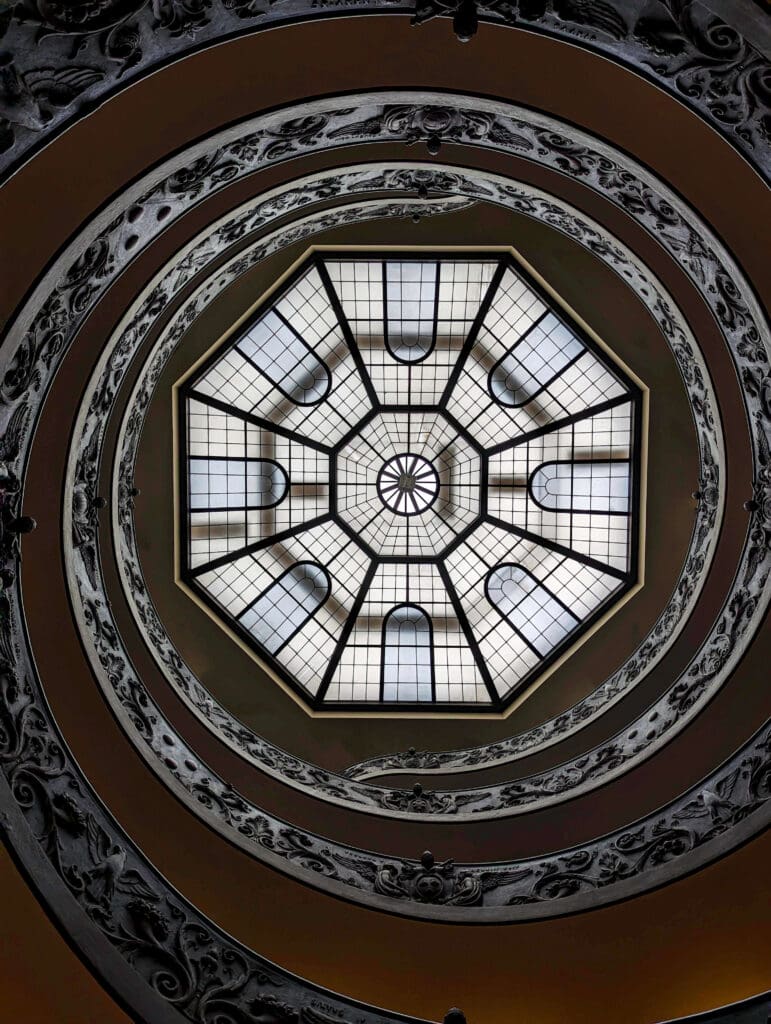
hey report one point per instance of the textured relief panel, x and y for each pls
(477, 802)
(58, 61)
(284, 843)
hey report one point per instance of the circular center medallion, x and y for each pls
(408, 484)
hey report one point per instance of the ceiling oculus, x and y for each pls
(409, 481)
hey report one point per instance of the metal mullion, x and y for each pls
(354, 431)
(384, 286)
(577, 417)
(635, 460)
(465, 625)
(554, 597)
(409, 448)
(248, 549)
(462, 431)
(405, 407)
(332, 484)
(545, 387)
(560, 548)
(246, 493)
(258, 421)
(527, 643)
(484, 308)
(345, 327)
(461, 537)
(293, 329)
(572, 476)
(350, 622)
(436, 305)
(484, 483)
(528, 330)
(183, 476)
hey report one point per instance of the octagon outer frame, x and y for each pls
(499, 708)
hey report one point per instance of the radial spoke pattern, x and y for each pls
(409, 480)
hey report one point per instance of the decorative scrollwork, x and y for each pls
(92, 49)
(476, 802)
(122, 906)
(643, 200)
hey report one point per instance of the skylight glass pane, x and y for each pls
(235, 483)
(599, 524)
(582, 486)
(408, 480)
(535, 613)
(408, 661)
(282, 610)
(411, 297)
(540, 356)
(286, 360)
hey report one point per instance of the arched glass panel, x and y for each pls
(279, 612)
(534, 612)
(219, 484)
(582, 486)
(408, 655)
(411, 298)
(276, 350)
(532, 363)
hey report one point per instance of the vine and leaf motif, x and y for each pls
(681, 43)
(58, 60)
(477, 802)
(181, 956)
(431, 882)
(184, 957)
(13, 525)
(219, 165)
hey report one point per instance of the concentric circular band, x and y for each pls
(503, 891)
(456, 804)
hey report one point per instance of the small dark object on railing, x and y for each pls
(751, 505)
(455, 1016)
(465, 21)
(21, 524)
(433, 144)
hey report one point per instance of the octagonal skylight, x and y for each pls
(408, 481)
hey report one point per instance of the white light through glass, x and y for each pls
(409, 481)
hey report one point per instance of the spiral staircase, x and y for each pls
(191, 833)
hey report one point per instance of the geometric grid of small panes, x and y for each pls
(409, 481)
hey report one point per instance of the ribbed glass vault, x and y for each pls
(409, 481)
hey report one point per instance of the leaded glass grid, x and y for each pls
(409, 480)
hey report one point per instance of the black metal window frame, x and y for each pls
(384, 644)
(570, 509)
(627, 579)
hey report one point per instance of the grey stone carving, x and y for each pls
(699, 825)
(458, 803)
(59, 60)
(608, 758)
